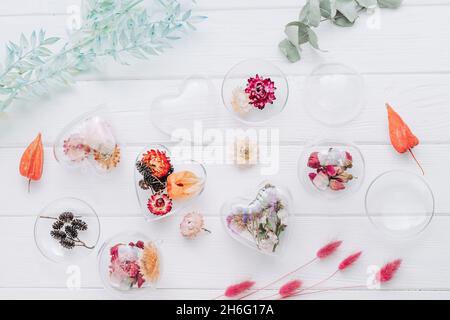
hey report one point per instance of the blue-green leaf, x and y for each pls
(289, 50)
(392, 4)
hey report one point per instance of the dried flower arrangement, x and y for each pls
(263, 221)
(91, 139)
(295, 287)
(402, 139)
(192, 224)
(258, 92)
(32, 161)
(66, 230)
(158, 176)
(330, 169)
(133, 264)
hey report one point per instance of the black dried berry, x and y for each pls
(79, 225)
(57, 225)
(71, 232)
(66, 216)
(58, 234)
(67, 243)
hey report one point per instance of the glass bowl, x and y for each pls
(331, 168)
(162, 196)
(334, 94)
(258, 104)
(89, 142)
(399, 203)
(129, 263)
(241, 214)
(62, 239)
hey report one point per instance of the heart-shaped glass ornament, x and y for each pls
(130, 264)
(185, 114)
(260, 221)
(88, 142)
(165, 185)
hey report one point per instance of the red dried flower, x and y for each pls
(351, 259)
(313, 160)
(159, 204)
(236, 289)
(260, 91)
(289, 288)
(140, 244)
(158, 162)
(328, 249)
(387, 272)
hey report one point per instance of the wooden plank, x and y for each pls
(175, 294)
(405, 43)
(214, 260)
(114, 195)
(421, 99)
(51, 7)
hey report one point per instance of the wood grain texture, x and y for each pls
(404, 60)
(200, 264)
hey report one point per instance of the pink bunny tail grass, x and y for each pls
(237, 289)
(289, 288)
(350, 260)
(328, 249)
(388, 271)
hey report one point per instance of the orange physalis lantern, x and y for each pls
(31, 163)
(402, 139)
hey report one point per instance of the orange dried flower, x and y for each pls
(32, 161)
(149, 262)
(183, 185)
(402, 139)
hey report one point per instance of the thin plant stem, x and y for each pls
(325, 290)
(414, 157)
(308, 288)
(280, 278)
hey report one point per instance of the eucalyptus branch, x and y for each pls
(114, 28)
(343, 13)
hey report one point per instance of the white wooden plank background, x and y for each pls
(405, 61)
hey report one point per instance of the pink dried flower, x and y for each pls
(114, 252)
(313, 160)
(75, 148)
(192, 225)
(348, 160)
(289, 288)
(387, 272)
(260, 91)
(336, 185)
(350, 260)
(236, 289)
(328, 249)
(331, 170)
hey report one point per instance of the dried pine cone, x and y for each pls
(66, 217)
(58, 234)
(67, 243)
(71, 232)
(57, 225)
(143, 184)
(79, 225)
